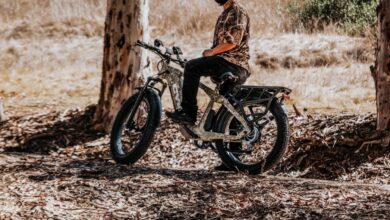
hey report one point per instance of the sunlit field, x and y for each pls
(51, 53)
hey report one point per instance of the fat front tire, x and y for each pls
(272, 154)
(131, 138)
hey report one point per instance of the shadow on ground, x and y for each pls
(48, 133)
(326, 163)
(107, 170)
(177, 193)
(54, 131)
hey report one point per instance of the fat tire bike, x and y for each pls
(247, 127)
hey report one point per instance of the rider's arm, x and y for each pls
(232, 36)
(220, 49)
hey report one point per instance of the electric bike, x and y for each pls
(247, 126)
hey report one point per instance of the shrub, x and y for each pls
(352, 16)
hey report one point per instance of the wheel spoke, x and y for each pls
(133, 129)
(262, 138)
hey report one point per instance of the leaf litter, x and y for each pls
(54, 165)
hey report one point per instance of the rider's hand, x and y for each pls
(208, 53)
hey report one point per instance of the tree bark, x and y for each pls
(126, 22)
(382, 73)
(3, 117)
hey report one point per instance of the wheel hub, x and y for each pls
(253, 136)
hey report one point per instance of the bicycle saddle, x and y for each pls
(225, 77)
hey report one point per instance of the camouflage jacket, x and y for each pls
(233, 27)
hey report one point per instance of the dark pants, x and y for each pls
(213, 66)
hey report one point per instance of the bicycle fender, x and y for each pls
(152, 94)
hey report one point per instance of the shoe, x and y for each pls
(181, 117)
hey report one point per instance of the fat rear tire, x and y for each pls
(274, 156)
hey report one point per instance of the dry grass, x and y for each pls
(166, 17)
(197, 18)
(51, 51)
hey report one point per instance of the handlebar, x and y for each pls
(166, 56)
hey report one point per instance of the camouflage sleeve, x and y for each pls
(235, 28)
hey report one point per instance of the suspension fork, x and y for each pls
(139, 98)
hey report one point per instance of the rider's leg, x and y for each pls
(206, 66)
(213, 66)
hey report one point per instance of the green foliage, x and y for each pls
(352, 16)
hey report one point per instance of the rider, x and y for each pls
(229, 53)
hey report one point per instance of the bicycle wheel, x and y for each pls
(264, 146)
(131, 137)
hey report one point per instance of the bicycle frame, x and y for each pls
(172, 78)
(244, 113)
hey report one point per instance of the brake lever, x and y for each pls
(177, 51)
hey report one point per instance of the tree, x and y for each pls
(3, 117)
(126, 22)
(382, 73)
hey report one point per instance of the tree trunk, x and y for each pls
(3, 117)
(126, 22)
(382, 74)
